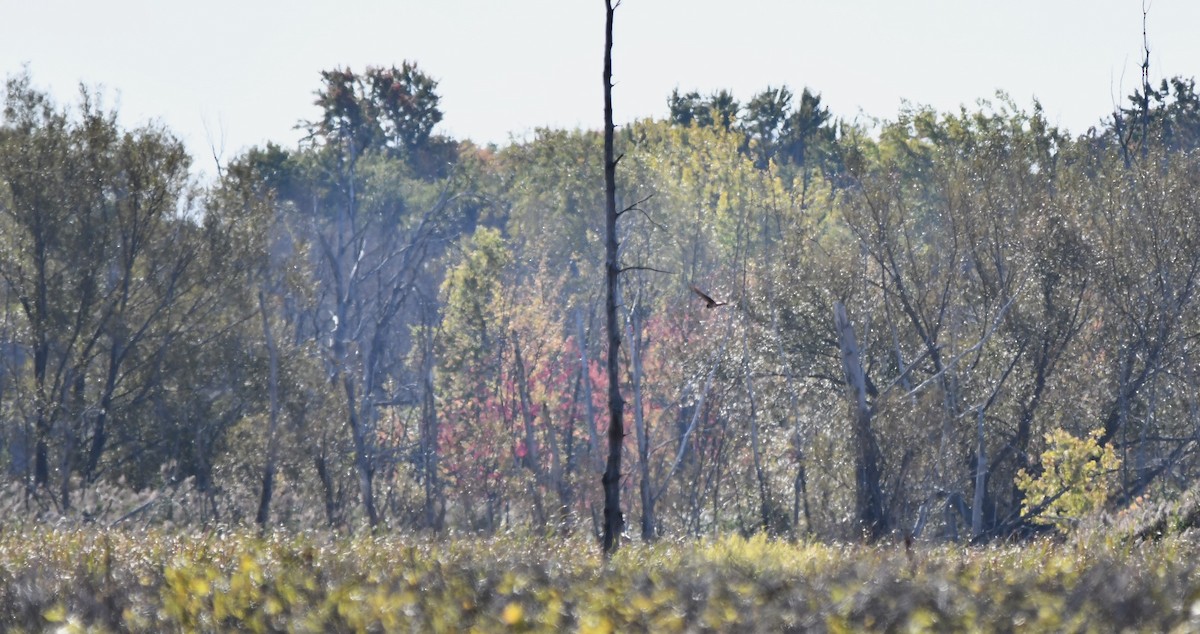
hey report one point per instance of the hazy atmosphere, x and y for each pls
(242, 73)
(567, 316)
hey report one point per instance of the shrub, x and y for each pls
(1077, 474)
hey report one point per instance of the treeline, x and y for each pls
(383, 326)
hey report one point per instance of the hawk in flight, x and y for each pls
(708, 301)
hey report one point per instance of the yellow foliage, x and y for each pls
(1077, 474)
(513, 614)
(56, 614)
(244, 582)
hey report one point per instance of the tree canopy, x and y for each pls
(914, 318)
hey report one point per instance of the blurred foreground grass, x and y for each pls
(147, 581)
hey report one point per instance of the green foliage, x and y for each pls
(719, 109)
(104, 267)
(390, 110)
(1167, 115)
(1077, 475)
(553, 187)
(429, 309)
(472, 293)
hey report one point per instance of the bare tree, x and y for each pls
(869, 505)
(614, 520)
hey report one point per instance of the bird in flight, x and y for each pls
(709, 302)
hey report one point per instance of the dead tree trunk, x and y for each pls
(614, 520)
(869, 506)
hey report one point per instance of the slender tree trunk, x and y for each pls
(981, 476)
(42, 422)
(363, 464)
(41, 361)
(614, 520)
(268, 477)
(69, 443)
(800, 497)
(643, 441)
(869, 504)
(434, 505)
(585, 377)
(99, 433)
(362, 457)
(532, 460)
(332, 514)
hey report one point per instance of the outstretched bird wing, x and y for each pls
(711, 303)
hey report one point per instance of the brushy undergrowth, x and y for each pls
(145, 581)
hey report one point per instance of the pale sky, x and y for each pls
(242, 72)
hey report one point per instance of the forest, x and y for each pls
(951, 325)
(933, 372)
